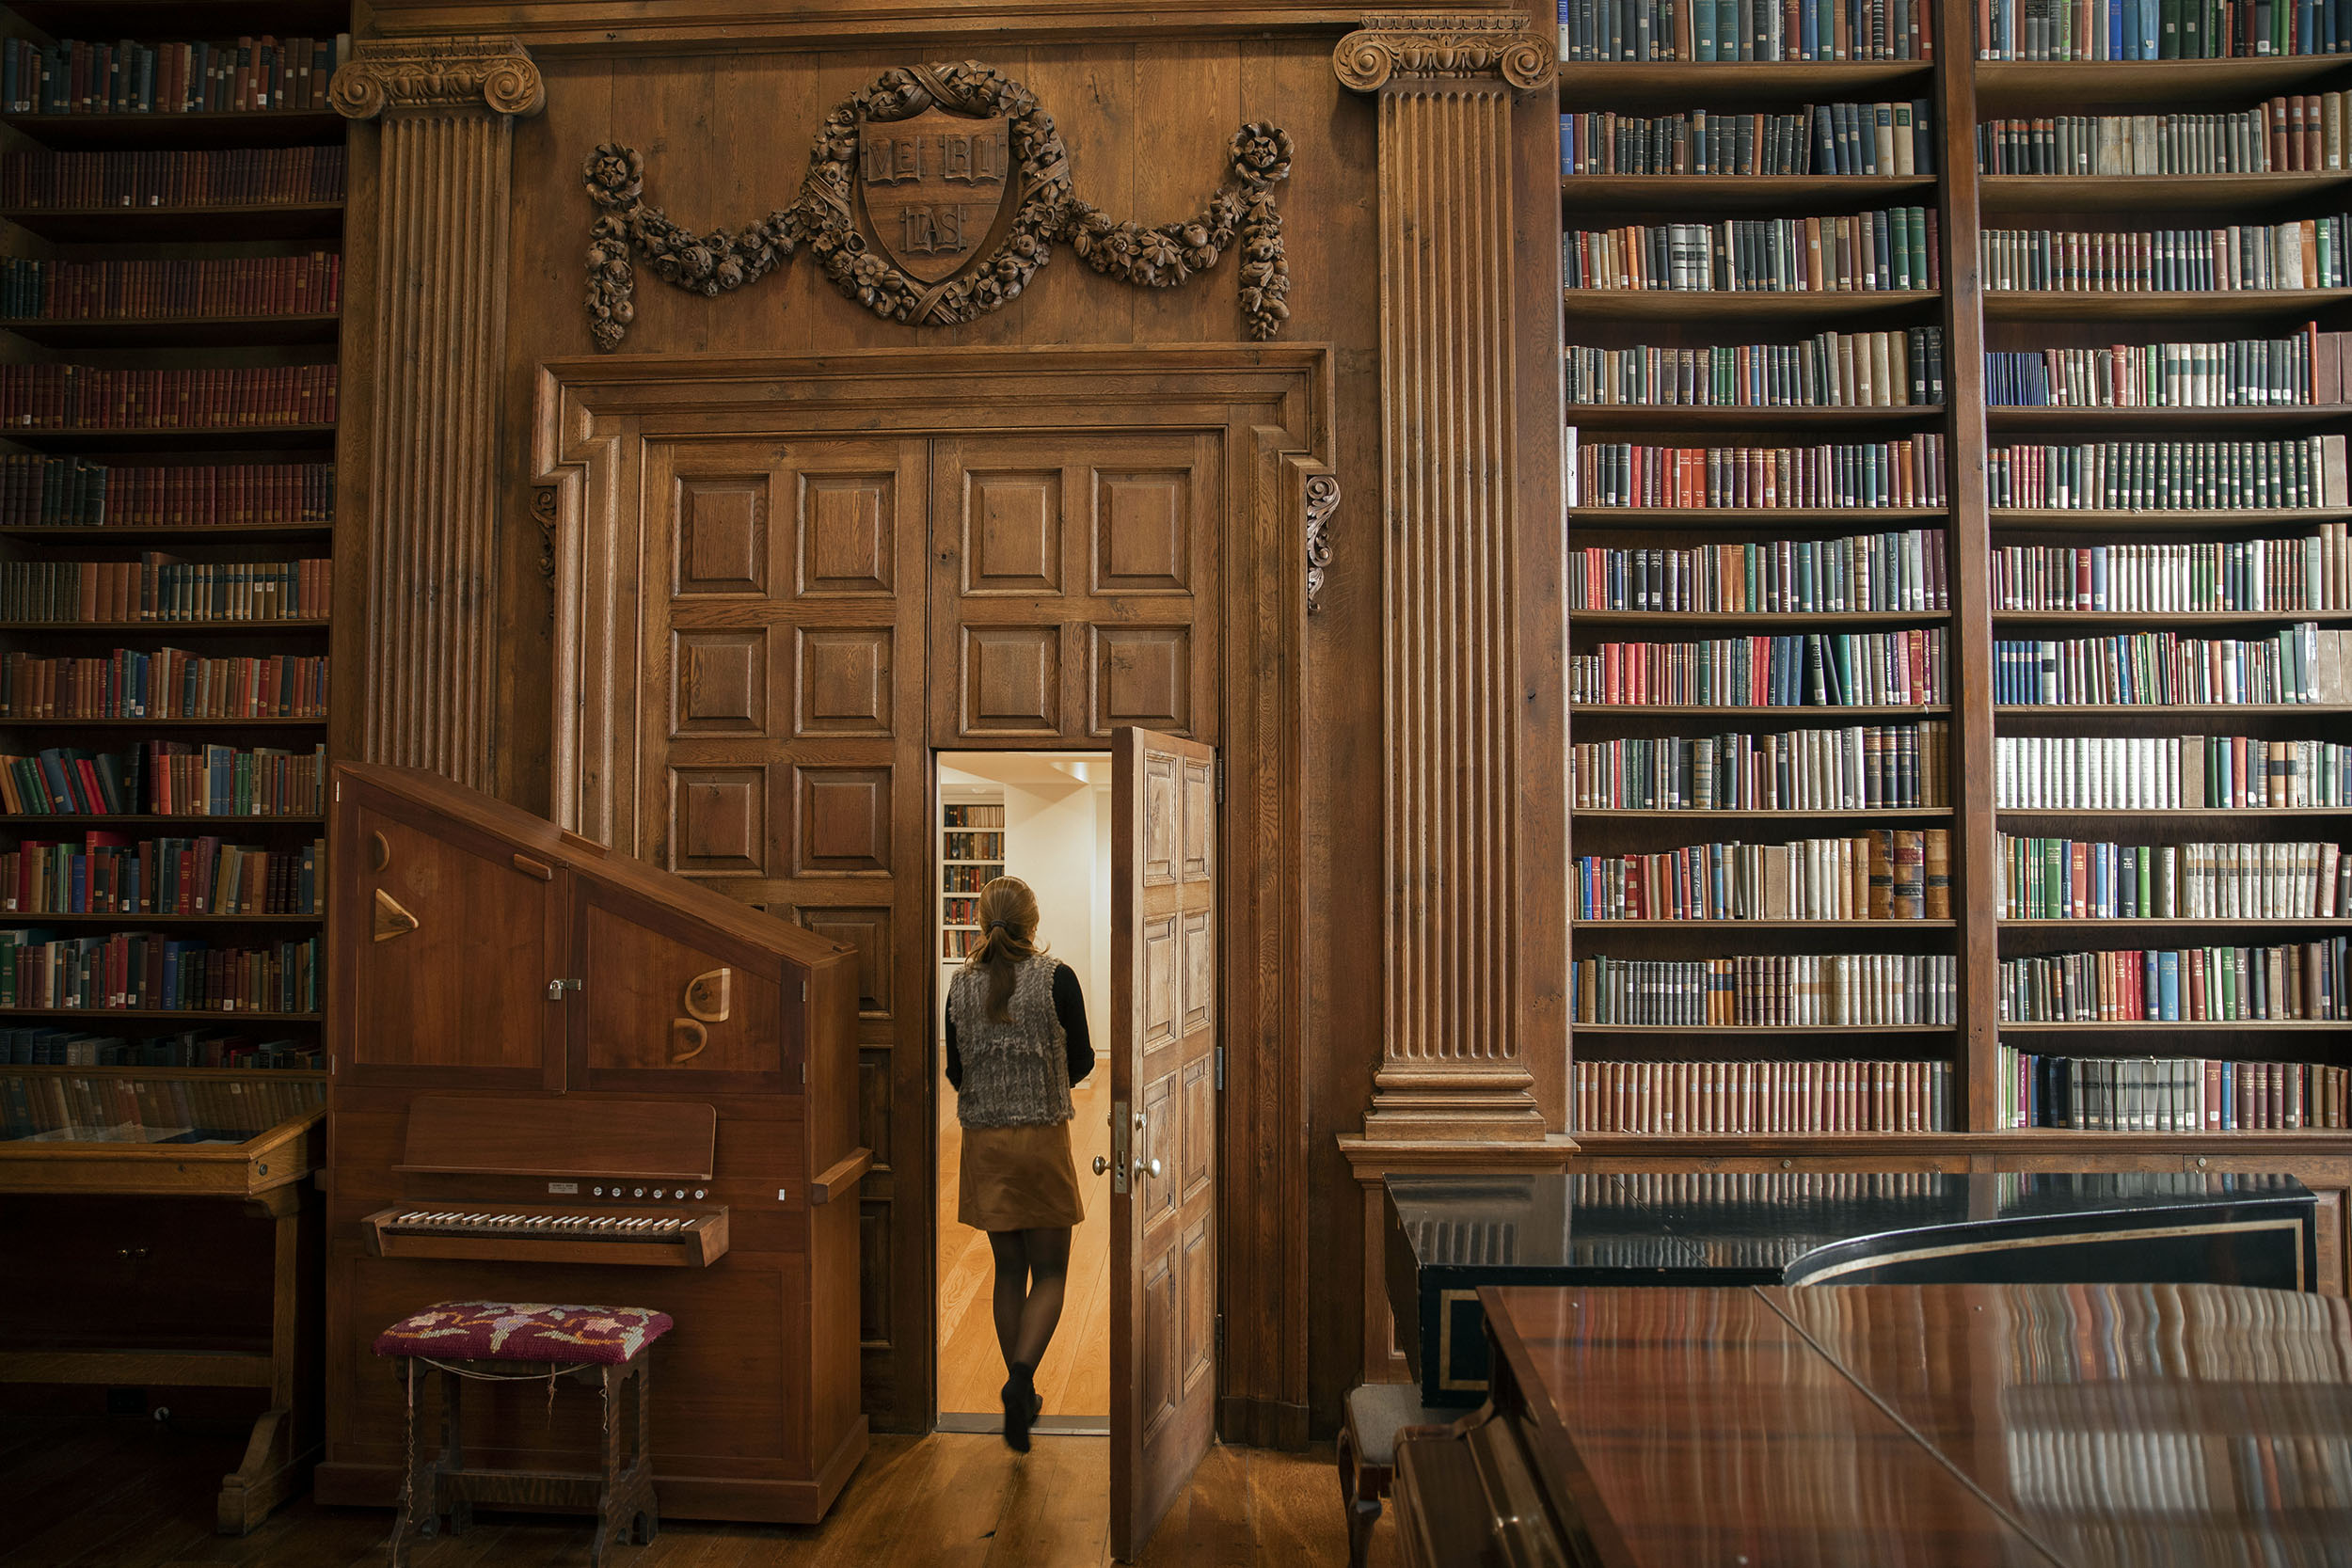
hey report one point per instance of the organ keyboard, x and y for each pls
(528, 1233)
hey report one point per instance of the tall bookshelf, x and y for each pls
(971, 855)
(185, 262)
(1959, 91)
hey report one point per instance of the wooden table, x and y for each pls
(1898, 1425)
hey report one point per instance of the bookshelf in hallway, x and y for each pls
(2076, 475)
(171, 200)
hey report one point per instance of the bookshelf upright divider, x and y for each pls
(171, 204)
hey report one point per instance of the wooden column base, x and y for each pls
(1373, 1158)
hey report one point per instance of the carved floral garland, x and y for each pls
(1049, 210)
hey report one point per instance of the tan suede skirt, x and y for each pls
(1018, 1179)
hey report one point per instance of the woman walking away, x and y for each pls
(1016, 1042)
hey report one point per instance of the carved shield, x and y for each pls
(934, 185)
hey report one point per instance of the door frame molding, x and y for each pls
(591, 422)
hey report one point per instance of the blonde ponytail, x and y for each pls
(1008, 937)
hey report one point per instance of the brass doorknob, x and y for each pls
(1147, 1166)
(1101, 1165)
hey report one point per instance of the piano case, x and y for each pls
(562, 1075)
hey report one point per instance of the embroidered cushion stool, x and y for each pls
(605, 1347)
(1379, 1413)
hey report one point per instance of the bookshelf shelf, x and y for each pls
(2114, 710)
(2031, 86)
(2020, 519)
(2209, 814)
(1585, 83)
(175, 331)
(1745, 814)
(1748, 516)
(2090, 305)
(238, 1014)
(1583, 194)
(1692, 422)
(305, 437)
(2058, 198)
(207, 128)
(1722, 307)
(1924, 710)
(2191, 422)
(24, 823)
(263, 220)
(2241, 1026)
(2178, 618)
(2178, 923)
(163, 724)
(1773, 1031)
(1710, 618)
(36, 917)
(178, 533)
(1681, 924)
(169, 629)
(147, 18)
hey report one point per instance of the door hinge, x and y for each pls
(804, 993)
(1220, 1336)
(1220, 781)
(1220, 1069)
(557, 987)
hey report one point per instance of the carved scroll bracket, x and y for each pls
(1323, 499)
(543, 513)
(1438, 45)
(496, 74)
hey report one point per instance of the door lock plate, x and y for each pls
(1118, 1146)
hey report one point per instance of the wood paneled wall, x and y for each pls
(723, 102)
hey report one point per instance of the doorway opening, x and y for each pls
(1045, 818)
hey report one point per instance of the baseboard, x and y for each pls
(1256, 1423)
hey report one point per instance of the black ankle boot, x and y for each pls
(1021, 1407)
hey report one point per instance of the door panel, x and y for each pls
(788, 655)
(1073, 587)
(1163, 984)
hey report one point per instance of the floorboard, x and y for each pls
(124, 1493)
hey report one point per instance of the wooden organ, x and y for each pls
(562, 1075)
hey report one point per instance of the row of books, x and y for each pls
(2170, 1094)
(36, 290)
(72, 491)
(2159, 29)
(72, 76)
(2298, 981)
(1908, 471)
(1849, 767)
(1772, 1189)
(2066, 879)
(2207, 577)
(2169, 476)
(2298, 665)
(974, 845)
(971, 815)
(168, 683)
(1905, 571)
(1769, 990)
(107, 873)
(2297, 134)
(2248, 372)
(93, 397)
(1892, 138)
(47, 1045)
(166, 778)
(1901, 368)
(1883, 874)
(2163, 773)
(57, 1108)
(1746, 30)
(1883, 668)
(967, 878)
(161, 587)
(150, 971)
(1889, 250)
(232, 177)
(2308, 253)
(1698, 1098)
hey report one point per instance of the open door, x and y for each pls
(1162, 1160)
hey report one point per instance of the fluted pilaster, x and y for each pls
(438, 267)
(1454, 1064)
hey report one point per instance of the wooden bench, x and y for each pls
(607, 1348)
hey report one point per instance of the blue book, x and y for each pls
(1809, 29)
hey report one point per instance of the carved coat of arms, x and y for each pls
(933, 187)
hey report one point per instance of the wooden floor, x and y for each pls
(1075, 1379)
(124, 1493)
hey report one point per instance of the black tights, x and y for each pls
(1032, 1273)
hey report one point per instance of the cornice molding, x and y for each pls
(438, 74)
(1445, 46)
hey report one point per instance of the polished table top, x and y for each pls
(1903, 1425)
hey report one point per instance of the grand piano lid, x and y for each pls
(1772, 1223)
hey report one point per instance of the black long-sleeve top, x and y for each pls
(1070, 1011)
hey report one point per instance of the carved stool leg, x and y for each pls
(452, 1461)
(1363, 1512)
(608, 1488)
(413, 1498)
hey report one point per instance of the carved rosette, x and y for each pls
(1323, 499)
(1425, 45)
(438, 74)
(1048, 210)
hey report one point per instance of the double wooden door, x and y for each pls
(816, 617)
